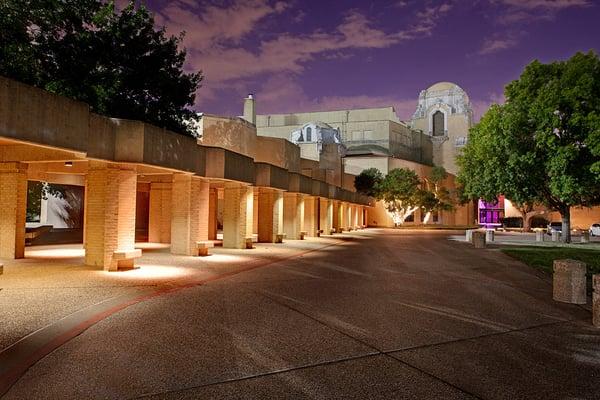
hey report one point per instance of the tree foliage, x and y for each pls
(367, 180)
(542, 145)
(116, 61)
(403, 191)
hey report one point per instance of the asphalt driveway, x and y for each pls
(387, 314)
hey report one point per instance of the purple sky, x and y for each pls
(326, 55)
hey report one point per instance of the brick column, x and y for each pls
(355, 217)
(13, 206)
(270, 214)
(326, 217)
(213, 198)
(293, 215)
(250, 209)
(159, 218)
(337, 216)
(310, 215)
(342, 217)
(235, 208)
(348, 215)
(110, 213)
(189, 214)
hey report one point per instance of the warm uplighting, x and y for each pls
(146, 272)
(55, 251)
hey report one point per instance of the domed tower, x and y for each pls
(444, 113)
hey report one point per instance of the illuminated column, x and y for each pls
(342, 216)
(355, 217)
(348, 216)
(189, 214)
(159, 218)
(270, 215)
(235, 215)
(13, 207)
(293, 215)
(213, 198)
(326, 217)
(110, 213)
(337, 216)
(310, 215)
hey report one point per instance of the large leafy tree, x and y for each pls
(543, 145)
(116, 61)
(367, 180)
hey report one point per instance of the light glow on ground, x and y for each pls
(55, 251)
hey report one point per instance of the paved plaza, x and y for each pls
(369, 314)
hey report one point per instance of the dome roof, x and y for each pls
(439, 86)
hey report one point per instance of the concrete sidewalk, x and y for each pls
(389, 314)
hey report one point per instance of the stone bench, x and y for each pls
(249, 243)
(478, 239)
(568, 281)
(124, 258)
(596, 300)
(203, 246)
(303, 234)
(279, 237)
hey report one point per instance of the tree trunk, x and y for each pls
(566, 225)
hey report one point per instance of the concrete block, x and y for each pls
(539, 236)
(478, 239)
(596, 301)
(469, 235)
(569, 284)
(489, 235)
(279, 237)
(585, 237)
(555, 236)
(203, 247)
(303, 234)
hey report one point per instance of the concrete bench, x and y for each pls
(249, 243)
(279, 237)
(568, 281)
(596, 300)
(124, 258)
(539, 236)
(489, 235)
(203, 246)
(303, 234)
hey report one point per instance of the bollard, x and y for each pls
(596, 301)
(539, 236)
(478, 240)
(555, 236)
(489, 235)
(569, 284)
(469, 235)
(585, 237)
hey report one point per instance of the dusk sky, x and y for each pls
(327, 55)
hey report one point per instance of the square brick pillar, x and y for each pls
(355, 223)
(159, 218)
(189, 213)
(251, 209)
(310, 215)
(348, 215)
(213, 199)
(337, 217)
(110, 214)
(326, 217)
(13, 206)
(235, 218)
(270, 215)
(293, 215)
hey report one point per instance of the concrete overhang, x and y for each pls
(138, 142)
(271, 176)
(225, 164)
(320, 188)
(299, 183)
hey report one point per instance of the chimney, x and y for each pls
(250, 109)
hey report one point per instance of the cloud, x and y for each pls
(545, 4)
(498, 43)
(283, 94)
(215, 39)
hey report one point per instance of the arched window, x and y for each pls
(301, 138)
(309, 134)
(438, 123)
